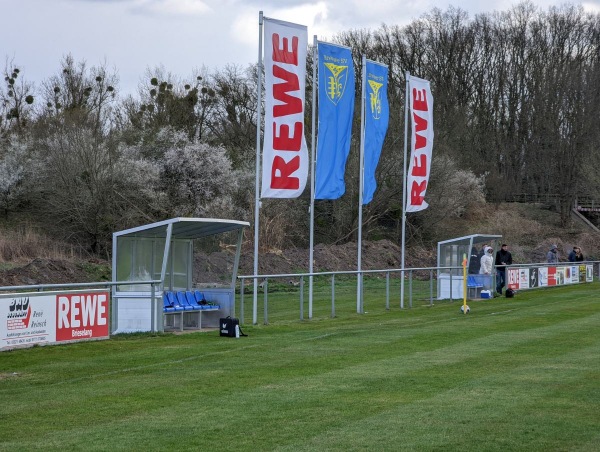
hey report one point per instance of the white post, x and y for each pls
(359, 280)
(406, 106)
(256, 185)
(312, 181)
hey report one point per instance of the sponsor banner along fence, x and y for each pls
(51, 318)
(520, 278)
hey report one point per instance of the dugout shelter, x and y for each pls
(450, 282)
(164, 252)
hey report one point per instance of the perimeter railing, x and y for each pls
(337, 288)
(285, 297)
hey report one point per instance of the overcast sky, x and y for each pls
(183, 35)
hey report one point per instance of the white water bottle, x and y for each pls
(237, 331)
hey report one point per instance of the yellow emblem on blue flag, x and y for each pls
(336, 87)
(375, 98)
(336, 82)
(375, 124)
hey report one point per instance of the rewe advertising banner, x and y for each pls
(421, 120)
(285, 154)
(38, 318)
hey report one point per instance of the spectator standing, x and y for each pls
(576, 255)
(503, 258)
(487, 261)
(552, 256)
(474, 261)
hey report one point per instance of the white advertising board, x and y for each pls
(48, 318)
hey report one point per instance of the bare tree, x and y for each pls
(16, 100)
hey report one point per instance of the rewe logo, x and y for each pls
(81, 316)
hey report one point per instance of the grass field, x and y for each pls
(519, 374)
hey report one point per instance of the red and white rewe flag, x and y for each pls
(285, 155)
(421, 119)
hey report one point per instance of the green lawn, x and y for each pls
(519, 374)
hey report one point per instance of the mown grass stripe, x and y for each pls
(417, 379)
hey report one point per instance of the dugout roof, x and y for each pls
(184, 228)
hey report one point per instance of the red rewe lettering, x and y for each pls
(285, 142)
(282, 54)
(285, 156)
(420, 166)
(417, 192)
(420, 125)
(420, 99)
(291, 104)
(281, 173)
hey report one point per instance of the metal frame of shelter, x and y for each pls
(163, 252)
(450, 254)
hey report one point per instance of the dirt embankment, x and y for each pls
(47, 271)
(528, 230)
(216, 267)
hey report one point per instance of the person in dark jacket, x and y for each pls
(503, 258)
(576, 255)
(474, 262)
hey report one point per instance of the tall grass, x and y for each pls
(519, 374)
(25, 243)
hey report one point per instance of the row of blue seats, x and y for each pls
(186, 301)
(473, 281)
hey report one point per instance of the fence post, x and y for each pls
(410, 275)
(153, 309)
(302, 298)
(430, 287)
(387, 291)
(266, 311)
(332, 296)
(451, 297)
(241, 301)
(401, 289)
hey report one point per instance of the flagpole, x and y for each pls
(312, 182)
(256, 185)
(404, 194)
(359, 280)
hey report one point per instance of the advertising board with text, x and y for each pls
(49, 318)
(519, 278)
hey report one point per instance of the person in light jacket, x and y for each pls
(487, 261)
(552, 256)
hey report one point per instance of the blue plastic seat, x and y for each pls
(173, 302)
(191, 299)
(167, 307)
(182, 301)
(473, 282)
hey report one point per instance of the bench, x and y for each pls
(473, 284)
(177, 304)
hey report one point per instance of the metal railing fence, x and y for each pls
(287, 297)
(381, 284)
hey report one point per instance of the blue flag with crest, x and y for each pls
(336, 109)
(377, 112)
